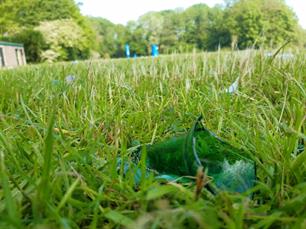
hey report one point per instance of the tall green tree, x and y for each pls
(20, 18)
(33, 41)
(260, 23)
(66, 40)
(196, 25)
(241, 23)
(218, 33)
(111, 38)
(171, 37)
(105, 36)
(136, 39)
(281, 22)
(27, 13)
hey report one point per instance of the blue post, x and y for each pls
(127, 51)
(154, 51)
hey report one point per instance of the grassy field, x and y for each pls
(60, 139)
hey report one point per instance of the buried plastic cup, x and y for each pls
(230, 168)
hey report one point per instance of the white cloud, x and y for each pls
(121, 11)
(299, 7)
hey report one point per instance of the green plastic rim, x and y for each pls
(191, 141)
(4, 43)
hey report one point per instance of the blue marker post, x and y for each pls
(154, 51)
(127, 51)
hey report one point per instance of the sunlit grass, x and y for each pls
(59, 140)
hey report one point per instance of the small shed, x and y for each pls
(11, 54)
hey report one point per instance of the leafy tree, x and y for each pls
(20, 18)
(197, 25)
(108, 36)
(301, 37)
(8, 24)
(244, 23)
(218, 33)
(260, 22)
(121, 37)
(152, 24)
(136, 39)
(34, 44)
(66, 40)
(171, 37)
(28, 13)
(282, 23)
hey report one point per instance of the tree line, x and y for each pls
(56, 30)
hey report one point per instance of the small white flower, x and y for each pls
(55, 82)
(234, 87)
(287, 56)
(187, 85)
(70, 79)
(268, 54)
(283, 56)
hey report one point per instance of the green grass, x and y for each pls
(59, 142)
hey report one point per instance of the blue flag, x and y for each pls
(154, 51)
(127, 50)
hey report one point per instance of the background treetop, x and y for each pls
(236, 23)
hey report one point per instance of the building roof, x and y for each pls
(3, 43)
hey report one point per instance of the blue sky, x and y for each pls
(121, 11)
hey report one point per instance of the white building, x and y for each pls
(11, 54)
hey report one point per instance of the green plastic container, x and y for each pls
(230, 168)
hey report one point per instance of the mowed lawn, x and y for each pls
(64, 126)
